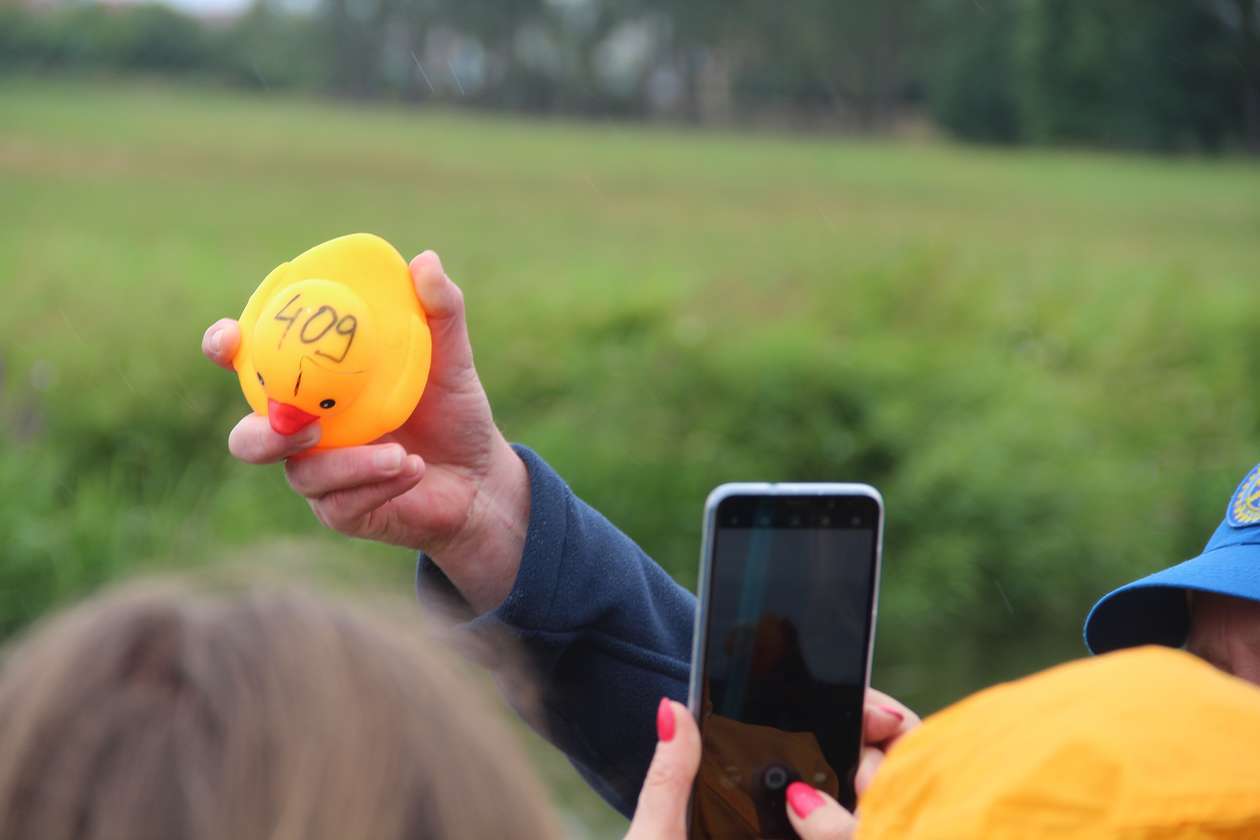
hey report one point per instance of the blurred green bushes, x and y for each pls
(1182, 75)
(148, 37)
(265, 47)
(1122, 73)
(1035, 446)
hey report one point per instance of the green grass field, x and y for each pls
(1046, 360)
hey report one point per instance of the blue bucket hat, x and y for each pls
(1153, 610)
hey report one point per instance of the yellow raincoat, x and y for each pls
(1141, 744)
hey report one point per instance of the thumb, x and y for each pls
(443, 305)
(662, 810)
(884, 719)
(816, 816)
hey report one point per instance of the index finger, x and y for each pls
(661, 813)
(253, 441)
(220, 342)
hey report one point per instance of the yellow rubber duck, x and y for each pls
(336, 335)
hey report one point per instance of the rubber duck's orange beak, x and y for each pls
(288, 419)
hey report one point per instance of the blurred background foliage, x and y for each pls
(1178, 75)
(1043, 356)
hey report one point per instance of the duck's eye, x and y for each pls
(260, 379)
(327, 403)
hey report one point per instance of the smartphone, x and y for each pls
(781, 658)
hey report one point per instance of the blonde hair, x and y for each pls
(164, 713)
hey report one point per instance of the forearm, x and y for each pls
(606, 631)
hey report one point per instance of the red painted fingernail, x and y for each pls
(803, 799)
(665, 720)
(897, 713)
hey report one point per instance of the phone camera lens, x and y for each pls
(855, 521)
(775, 778)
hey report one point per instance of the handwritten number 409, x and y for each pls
(317, 325)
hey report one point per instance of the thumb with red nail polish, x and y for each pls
(816, 816)
(803, 799)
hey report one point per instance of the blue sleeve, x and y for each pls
(605, 630)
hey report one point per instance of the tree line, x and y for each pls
(1177, 75)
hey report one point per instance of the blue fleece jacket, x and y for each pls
(607, 633)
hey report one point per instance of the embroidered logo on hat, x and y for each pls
(1244, 507)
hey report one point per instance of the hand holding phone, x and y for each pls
(661, 813)
(782, 651)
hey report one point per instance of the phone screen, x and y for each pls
(791, 587)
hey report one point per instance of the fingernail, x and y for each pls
(803, 799)
(665, 720)
(216, 342)
(307, 437)
(389, 459)
(411, 466)
(892, 710)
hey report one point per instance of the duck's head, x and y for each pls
(311, 351)
(336, 334)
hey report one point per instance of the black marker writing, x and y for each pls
(314, 319)
(315, 327)
(289, 319)
(347, 327)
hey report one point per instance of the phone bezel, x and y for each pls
(786, 489)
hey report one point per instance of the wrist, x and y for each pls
(483, 558)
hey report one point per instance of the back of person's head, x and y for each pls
(1147, 744)
(161, 713)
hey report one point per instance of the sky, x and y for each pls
(198, 7)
